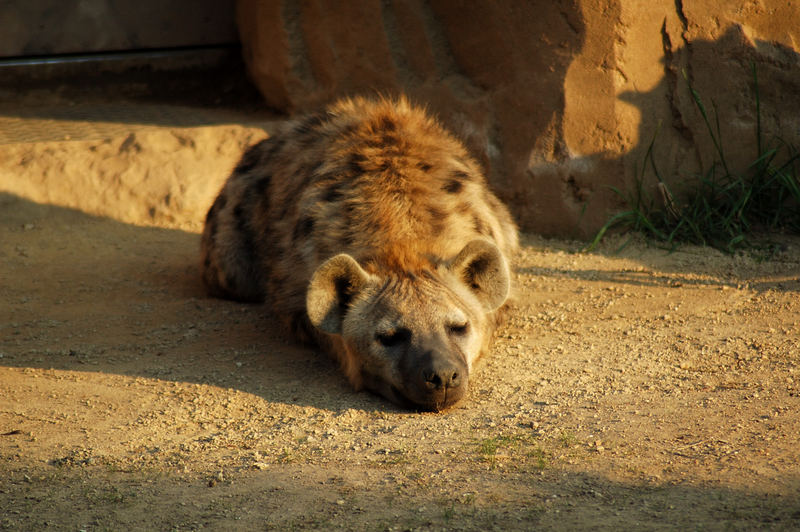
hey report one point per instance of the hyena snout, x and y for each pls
(440, 380)
(442, 375)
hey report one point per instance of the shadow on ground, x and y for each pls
(85, 295)
(293, 498)
(90, 294)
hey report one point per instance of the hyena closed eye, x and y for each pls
(368, 228)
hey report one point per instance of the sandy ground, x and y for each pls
(643, 390)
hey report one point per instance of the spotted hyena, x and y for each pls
(368, 227)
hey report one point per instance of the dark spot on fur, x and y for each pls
(425, 167)
(314, 170)
(332, 193)
(347, 212)
(303, 176)
(388, 124)
(307, 141)
(356, 164)
(247, 235)
(453, 186)
(349, 239)
(429, 275)
(274, 145)
(348, 130)
(436, 213)
(262, 184)
(460, 175)
(255, 154)
(310, 123)
(411, 276)
(390, 140)
(438, 219)
(480, 226)
(244, 166)
(464, 207)
(250, 158)
(303, 228)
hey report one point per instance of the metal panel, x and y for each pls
(48, 27)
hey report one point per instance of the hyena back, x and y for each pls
(368, 227)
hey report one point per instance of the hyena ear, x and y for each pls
(331, 290)
(481, 267)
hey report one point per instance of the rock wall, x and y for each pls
(559, 100)
(161, 176)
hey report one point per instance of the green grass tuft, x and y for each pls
(718, 208)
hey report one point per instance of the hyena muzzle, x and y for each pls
(368, 228)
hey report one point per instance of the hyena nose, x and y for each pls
(442, 376)
(438, 379)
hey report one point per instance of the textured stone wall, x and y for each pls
(558, 99)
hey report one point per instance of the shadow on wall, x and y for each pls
(721, 71)
(493, 72)
(541, 94)
(545, 105)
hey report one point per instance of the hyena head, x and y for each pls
(413, 337)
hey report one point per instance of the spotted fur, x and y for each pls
(383, 184)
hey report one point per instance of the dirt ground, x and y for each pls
(640, 390)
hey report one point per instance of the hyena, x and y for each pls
(368, 228)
